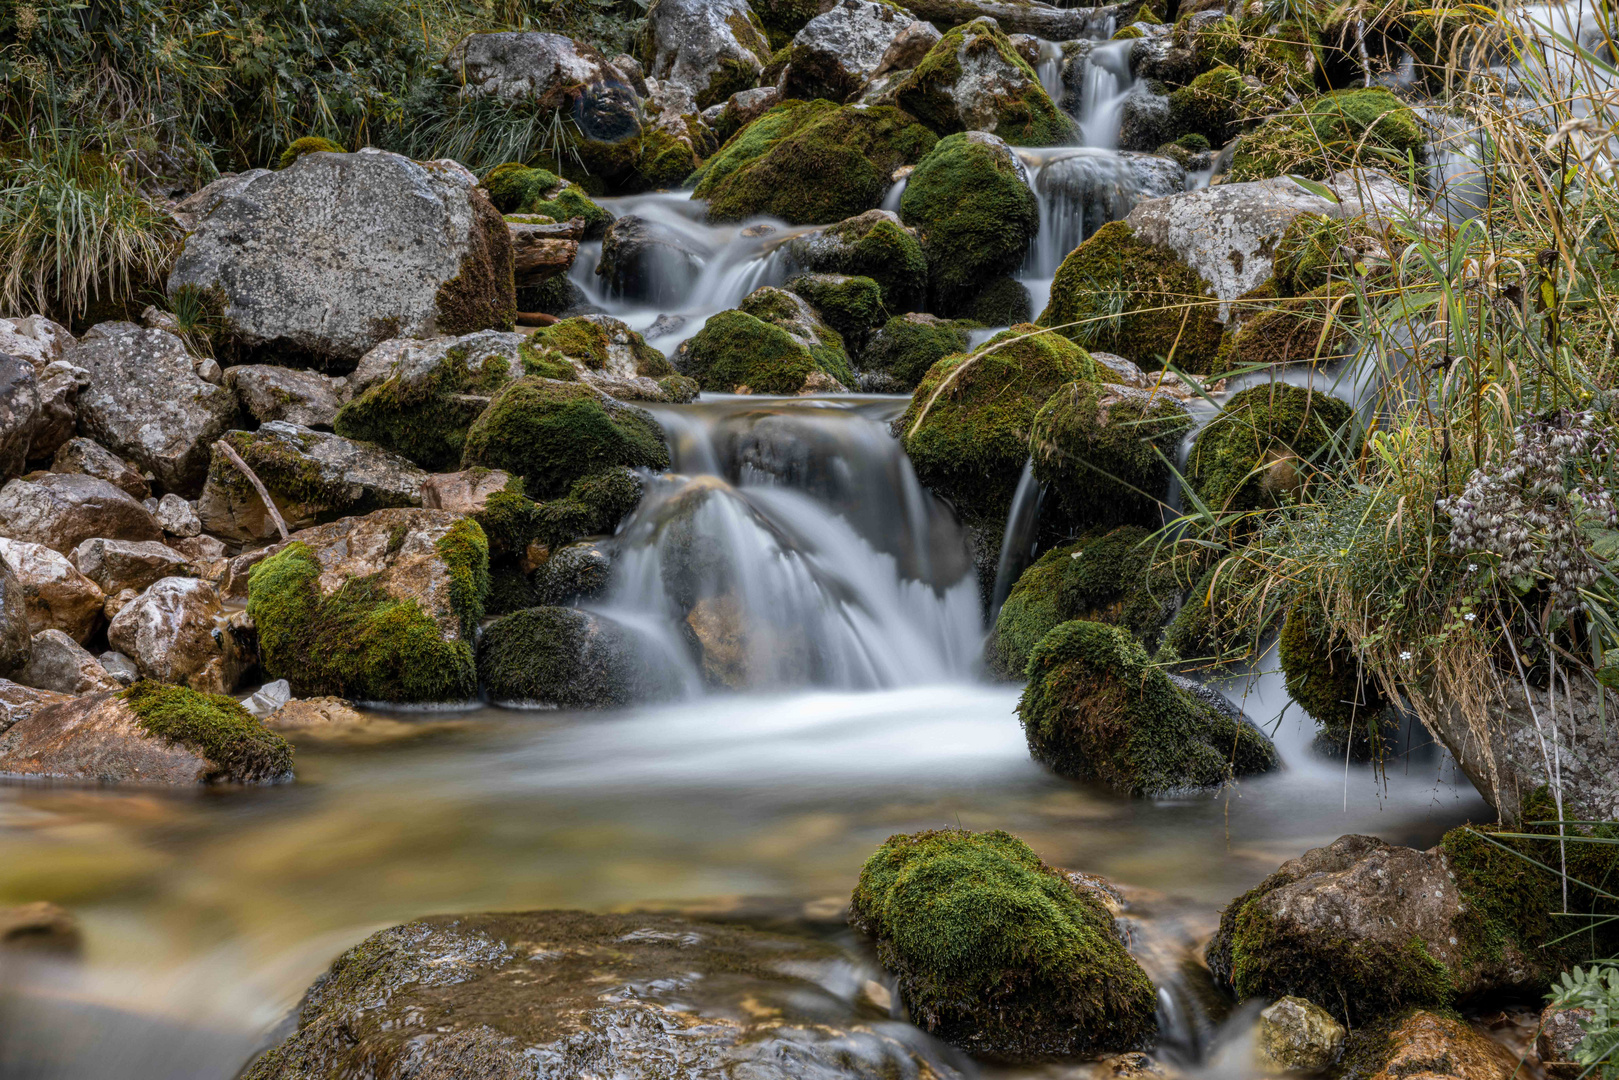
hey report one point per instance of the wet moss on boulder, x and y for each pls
(1105, 451)
(1119, 293)
(971, 201)
(999, 953)
(1200, 635)
(566, 658)
(853, 306)
(906, 347)
(1003, 302)
(974, 79)
(811, 162)
(1327, 681)
(1334, 131)
(1096, 708)
(1263, 446)
(515, 188)
(212, 726)
(1209, 106)
(873, 245)
(552, 433)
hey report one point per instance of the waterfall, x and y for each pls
(1018, 542)
(1080, 189)
(1104, 84)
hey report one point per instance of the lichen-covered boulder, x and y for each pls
(1366, 126)
(59, 664)
(1096, 708)
(975, 80)
(811, 162)
(15, 636)
(1118, 292)
(377, 608)
(1264, 445)
(999, 953)
(900, 354)
(19, 414)
(296, 395)
(56, 595)
(62, 510)
(149, 733)
(1116, 577)
(116, 565)
(1295, 1035)
(173, 632)
(569, 659)
(146, 402)
(836, 53)
(525, 191)
(774, 344)
(873, 245)
(81, 455)
(608, 995)
(852, 306)
(970, 200)
(553, 433)
(323, 260)
(312, 476)
(702, 51)
(647, 260)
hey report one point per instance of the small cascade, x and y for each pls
(1050, 69)
(1080, 189)
(1104, 84)
(1018, 542)
(895, 194)
(1455, 164)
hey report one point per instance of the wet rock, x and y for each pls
(173, 632)
(40, 927)
(306, 398)
(177, 516)
(146, 402)
(60, 664)
(1226, 233)
(324, 259)
(36, 339)
(1562, 1030)
(701, 52)
(147, 734)
(572, 573)
(19, 411)
(900, 354)
(56, 595)
(317, 714)
(61, 511)
(90, 458)
(874, 245)
(569, 994)
(563, 658)
(974, 80)
(311, 475)
(1054, 980)
(120, 666)
(1295, 1035)
(1144, 120)
(268, 698)
(644, 260)
(838, 51)
(60, 384)
(1426, 1045)
(15, 636)
(18, 702)
(465, 492)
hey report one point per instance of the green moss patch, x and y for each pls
(426, 418)
(1023, 113)
(1301, 330)
(1207, 108)
(997, 952)
(1332, 132)
(515, 188)
(590, 341)
(853, 306)
(908, 345)
(1327, 681)
(309, 144)
(212, 726)
(1262, 447)
(564, 658)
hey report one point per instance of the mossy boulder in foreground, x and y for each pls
(564, 658)
(999, 953)
(1097, 709)
(1264, 445)
(380, 608)
(853, 306)
(901, 353)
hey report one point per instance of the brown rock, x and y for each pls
(90, 458)
(40, 927)
(116, 565)
(19, 702)
(62, 665)
(541, 252)
(15, 637)
(117, 602)
(56, 595)
(717, 624)
(1425, 1046)
(238, 571)
(1561, 1032)
(62, 510)
(465, 492)
(173, 632)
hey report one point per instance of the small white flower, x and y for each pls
(1405, 656)
(1472, 566)
(1076, 554)
(1470, 616)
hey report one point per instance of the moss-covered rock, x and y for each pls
(1292, 331)
(999, 953)
(569, 659)
(1208, 107)
(973, 79)
(552, 433)
(1263, 446)
(1332, 132)
(1096, 708)
(774, 344)
(212, 726)
(1117, 577)
(1118, 293)
(873, 245)
(967, 428)
(905, 348)
(1327, 680)
(309, 144)
(1202, 634)
(784, 18)
(971, 201)
(1105, 451)
(1003, 302)
(811, 162)
(515, 188)
(853, 306)
(602, 343)
(665, 159)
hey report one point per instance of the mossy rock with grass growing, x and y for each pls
(569, 659)
(1105, 451)
(1309, 252)
(515, 188)
(871, 245)
(1209, 107)
(977, 216)
(212, 726)
(967, 428)
(811, 162)
(1116, 577)
(907, 346)
(999, 953)
(1334, 131)
(1327, 680)
(1263, 446)
(1202, 634)
(1118, 293)
(1284, 55)
(974, 79)
(1300, 330)
(853, 306)
(601, 343)
(309, 144)
(552, 433)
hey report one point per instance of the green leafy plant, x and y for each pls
(1595, 987)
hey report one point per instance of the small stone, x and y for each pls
(1295, 1035)
(269, 697)
(117, 602)
(1561, 1032)
(40, 927)
(316, 713)
(62, 665)
(90, 458)
(177, 516)
(172, 631)
(209, 371)
(120, 666)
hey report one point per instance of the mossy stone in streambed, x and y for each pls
(1117, 292)
(1334, 131)
(853, 306)
(1117, 577)
(873, 245)
(213, 726)
(552, 433)
(570, 659)
(973, 79)
(1104, 451)
(1200, 635)
(516, 188)
(906, 347)
(1096, 708)
(1326, 680)
(775, 343)
(1300, 330)
(999, 953)
(517, 527)
(600, 343)
(1264, 445)
(970, 200)
(1208, 107)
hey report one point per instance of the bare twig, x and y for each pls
(258, 485)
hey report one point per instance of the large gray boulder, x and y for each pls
(19, 412)
(312, 476)
(838, 51)
(337, 252)
(146, 402)
(62, 510)
(701, 52)
(296, 395)
(62, 665)
(15, 638)
(172, 633)
(57, 596)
